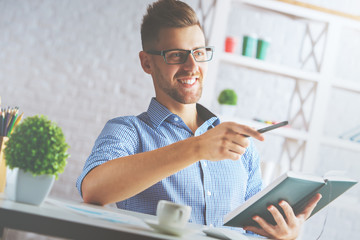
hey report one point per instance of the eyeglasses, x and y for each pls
(179, 56)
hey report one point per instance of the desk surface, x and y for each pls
(61, 218)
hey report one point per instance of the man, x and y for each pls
(178, 150)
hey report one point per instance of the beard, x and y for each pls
(182, 98)
(176, 91)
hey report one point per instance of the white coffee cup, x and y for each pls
(172, 214)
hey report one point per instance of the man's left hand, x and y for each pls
(286, 228)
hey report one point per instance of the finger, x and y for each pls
(243, 130)
(233, 142)
(249, 132)
(232, 151)
(232, 155)
(257, 230)
(264, 225)
(278, 217)
(289, 212)
(234, 136)
(311, 205)
(241, 141)
(237, 149)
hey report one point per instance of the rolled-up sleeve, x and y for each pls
(117, 139)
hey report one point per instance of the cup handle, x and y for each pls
(159, 209)
(180, 213)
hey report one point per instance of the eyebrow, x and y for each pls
(182, 49)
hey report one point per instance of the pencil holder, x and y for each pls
(249, 45)
(231, 44)
(262, 48)
(3, 140)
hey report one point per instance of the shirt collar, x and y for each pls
(204, 113)
(158, 113)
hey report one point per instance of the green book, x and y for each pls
(295, 188)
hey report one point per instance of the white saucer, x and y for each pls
(224, 233)
(172, 230)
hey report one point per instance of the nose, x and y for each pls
(191, 64)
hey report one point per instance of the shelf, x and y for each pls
(300, 12)
(286, 132)
(278, 69)
(341, 143)
(347, 85)
(261, 65)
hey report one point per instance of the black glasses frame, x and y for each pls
(163, 53)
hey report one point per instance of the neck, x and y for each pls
(187, 112)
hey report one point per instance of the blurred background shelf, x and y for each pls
(285, 131)
(260, 65)
(341, 143)
(272, 68)
(305, 11)
(347, 85)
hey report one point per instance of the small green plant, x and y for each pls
(227, 97)
(37, 145)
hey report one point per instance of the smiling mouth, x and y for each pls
(189, 81)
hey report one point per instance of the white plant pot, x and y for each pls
(32, 189)
(227, 110)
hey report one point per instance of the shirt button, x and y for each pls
(176, 119)
(208, 193)
(205, 164)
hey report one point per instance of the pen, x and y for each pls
(272, 127)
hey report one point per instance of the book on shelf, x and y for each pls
(295, 188)
(356, 137)
(352, 134)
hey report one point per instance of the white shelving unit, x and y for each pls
(269, 67)
(284, 131)
(312, 138)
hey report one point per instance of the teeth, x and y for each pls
(191, 81)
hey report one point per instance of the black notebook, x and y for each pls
(295, 188)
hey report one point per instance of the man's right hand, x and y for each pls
(226, 141)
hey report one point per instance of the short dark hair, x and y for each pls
(165, 14)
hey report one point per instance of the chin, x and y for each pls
(191, 100)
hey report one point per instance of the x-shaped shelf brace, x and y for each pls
(302, 100)
(303, 97)
(316, 41)
(205, 11)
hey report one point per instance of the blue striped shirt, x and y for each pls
(211, 188)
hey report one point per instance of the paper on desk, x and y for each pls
(100, 214)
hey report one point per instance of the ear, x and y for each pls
(145, 62)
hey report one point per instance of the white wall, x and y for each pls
(76, 61)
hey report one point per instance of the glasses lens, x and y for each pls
(202, 54)
(176, 56)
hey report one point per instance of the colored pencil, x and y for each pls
(9, 119)
(17, 121)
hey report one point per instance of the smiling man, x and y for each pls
(178, 150)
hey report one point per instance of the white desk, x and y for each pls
(55, 218)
